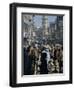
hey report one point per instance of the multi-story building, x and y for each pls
(56, 30)
(45, 25)
(59, 31)
(52, 31)
(28, 29)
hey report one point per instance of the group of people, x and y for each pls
(43, 59)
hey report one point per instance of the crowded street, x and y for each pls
(42, 44)
(43, 59)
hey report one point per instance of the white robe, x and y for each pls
(48, 55)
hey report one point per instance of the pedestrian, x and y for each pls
(43, 67)
(27, 62)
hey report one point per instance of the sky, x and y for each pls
(38, 20)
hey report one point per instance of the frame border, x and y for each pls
(13, 62)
